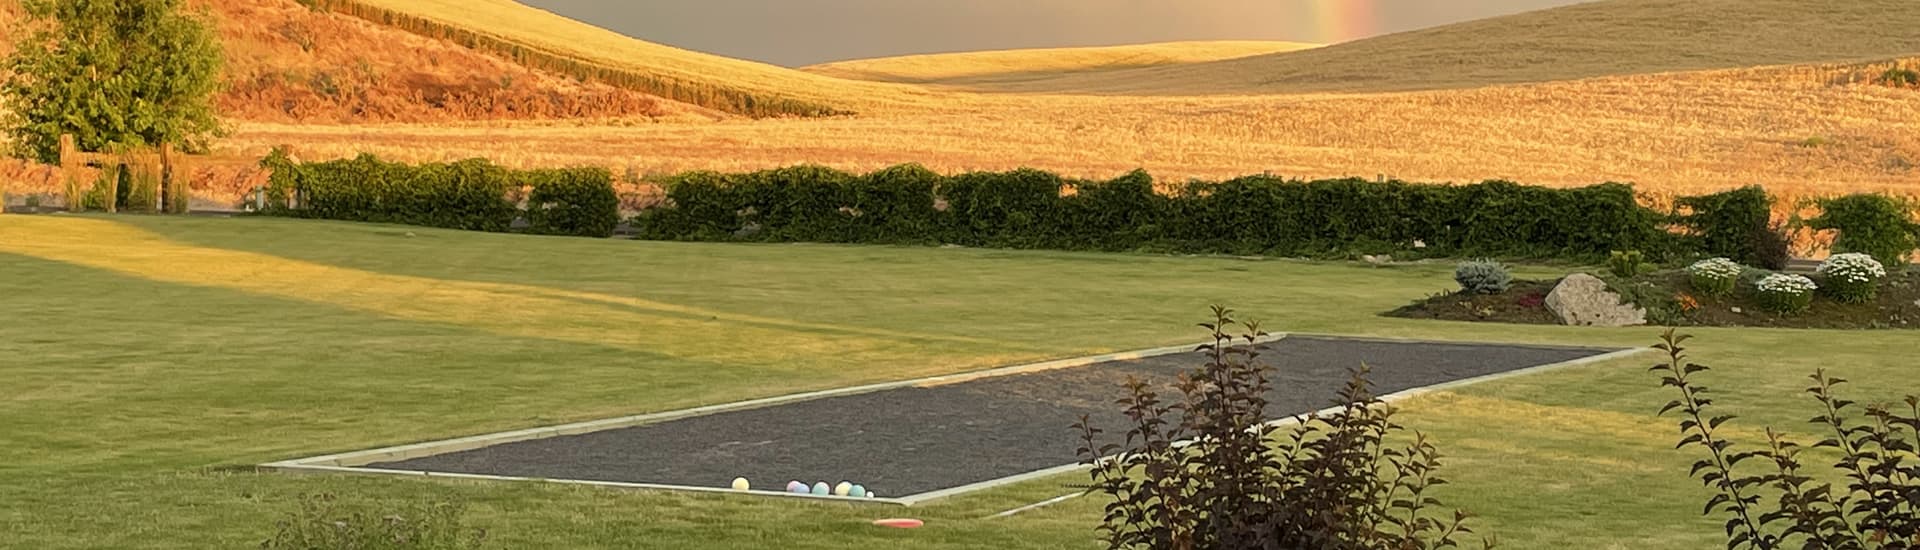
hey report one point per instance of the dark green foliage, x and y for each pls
(1850, 292)
(1332, 481)
(1713, 286)
(699, 207)
(1662, 305)
(1121, 214)
(322, 523)
(1789, 507)
(1628, 263)
(795, 203)
(125, 72)
(1772, 247)
(1252, 215)
(1875, 225)
(1901, 76)
(1018, 209)
(1579, 222)
(469, 194)
(1784, 303)
(895, 206)
(1737, 225)
(1483, 277)
(570, 201)
(908, 204)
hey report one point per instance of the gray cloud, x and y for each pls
(802, 32)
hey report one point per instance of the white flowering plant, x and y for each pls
(1852, 278)
(1785, 293)
(1714, 277)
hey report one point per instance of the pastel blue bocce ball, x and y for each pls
(822, 489)
(858, 491)
(796, 487)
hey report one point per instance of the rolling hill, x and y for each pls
(987, 67)
(1602, 38)
(545, 40)
(1608, 37)
(287, 63)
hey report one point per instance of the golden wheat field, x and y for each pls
(1595, 39)
(969, 70)
(1798, 130)
(1506, 111)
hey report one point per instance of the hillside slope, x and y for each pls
(544, 39)
(1802, 130)
(1608, 37)
(285, 62)
(985, 67)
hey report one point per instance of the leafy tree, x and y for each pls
(110, 72)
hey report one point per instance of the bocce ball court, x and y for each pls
(913, 441)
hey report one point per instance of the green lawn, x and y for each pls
(143, 358)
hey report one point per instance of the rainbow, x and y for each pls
(1342, 20)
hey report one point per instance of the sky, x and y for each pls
(804, 32)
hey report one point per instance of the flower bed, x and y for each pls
(1671, 299)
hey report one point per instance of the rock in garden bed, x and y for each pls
(1585, 300)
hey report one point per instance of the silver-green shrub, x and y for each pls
(1483, 277)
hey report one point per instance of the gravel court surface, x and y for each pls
(913, 440)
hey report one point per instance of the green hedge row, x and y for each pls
(470, 194)
(1876, 225)
(571, 201)
(909, 204)
(1251, 215)
(1736, 224)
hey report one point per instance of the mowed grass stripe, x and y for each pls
(121, 391)
(507, 309)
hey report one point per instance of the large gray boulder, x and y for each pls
(1584, 300)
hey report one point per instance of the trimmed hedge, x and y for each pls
(1875, 225)
(909, 204)
(470, 194)
(1735, 224)
(571, 201)
(1252, 215)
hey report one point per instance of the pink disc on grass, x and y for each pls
(899, 523)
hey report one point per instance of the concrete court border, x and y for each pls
(353, 462)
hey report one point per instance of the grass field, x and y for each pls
(146, 357)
